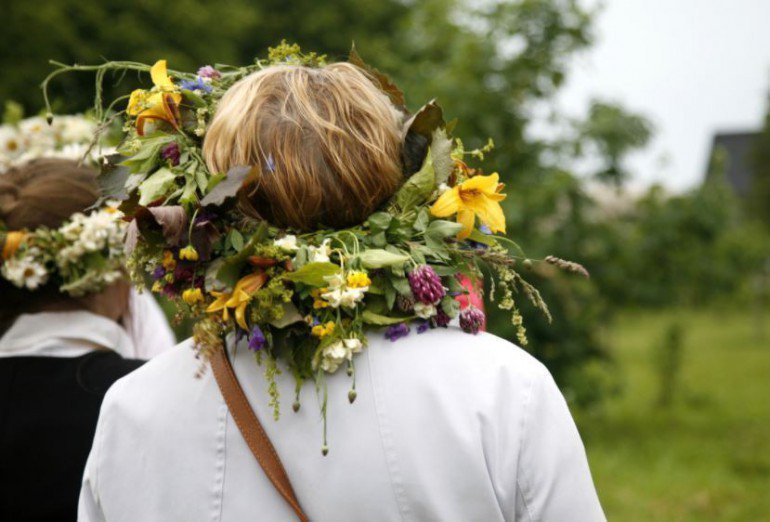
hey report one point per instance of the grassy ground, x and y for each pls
(707, 456)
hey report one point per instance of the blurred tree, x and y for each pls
(611, 133)
(486, 61)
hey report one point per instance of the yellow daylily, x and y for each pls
(476, 196)
(13, 241)
(162, 103)
(242, 293)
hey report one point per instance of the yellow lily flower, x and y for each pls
(160, 104)
(476, 196)
(243, 292)
(13, 241)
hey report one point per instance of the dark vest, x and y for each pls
(48, 412)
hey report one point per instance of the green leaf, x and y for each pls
(370, 317)
(228, 187)
(418, 187)
(450, 306)
(379, 221)
(441, 154)
(313, 274)
(379, 258)
(442, 229)
(193, 98)
(423, 218)
(480, 237)
(156, 186)
(112, 180)
(290, 316)
(236, 240)
(214, 181)
(401, 284)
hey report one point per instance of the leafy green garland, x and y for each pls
(308, 299)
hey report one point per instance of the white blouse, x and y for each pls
(446, 427)
(71, 334)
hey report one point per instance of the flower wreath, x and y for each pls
(312, 299)
(68, 137)
(83, 255)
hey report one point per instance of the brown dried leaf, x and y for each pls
(385, 83)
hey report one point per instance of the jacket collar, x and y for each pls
(64, 334)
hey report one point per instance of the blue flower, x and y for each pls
(257, 339)
(195, 85)
(397, 331)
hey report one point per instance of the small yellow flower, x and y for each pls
(192, 296)
(318, 301)
(189, 253)
(477, 196)
(318, 330)
(358, 280)
(168, 262)
(243, 292)
(157, 287)
(160, 104)
(322, 330)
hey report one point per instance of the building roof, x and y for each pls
(738, 148)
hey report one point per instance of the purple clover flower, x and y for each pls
(171, 153)
(195, 85)
(426, 285)
(158, 273)
(471, 319)
(440, 320)
(423, 326)
(257, 339)
(208, 71)
(397, 331)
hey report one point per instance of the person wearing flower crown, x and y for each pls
(334, 256)
(63, 337)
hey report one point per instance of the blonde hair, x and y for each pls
(325, 143)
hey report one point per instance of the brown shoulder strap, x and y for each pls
(252, 431)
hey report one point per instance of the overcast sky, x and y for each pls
(695, 67)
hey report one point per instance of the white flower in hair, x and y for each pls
(11, 144)
(321, 254)
(288, 243)
(333, 355)
(25, 272)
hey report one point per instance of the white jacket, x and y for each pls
(446, 427)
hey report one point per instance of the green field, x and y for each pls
(707, 456)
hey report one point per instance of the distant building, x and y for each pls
(731, 156)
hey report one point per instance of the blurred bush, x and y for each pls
(489, 64)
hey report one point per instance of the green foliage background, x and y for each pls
(489, 64)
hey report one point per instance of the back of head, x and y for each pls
(325, 143)
(42, 193)
(45, 192)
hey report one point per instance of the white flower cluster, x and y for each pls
(340, 294)
(85, 254)
(99, 231)
(333, 355)
(26, 271)
(67, 137)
